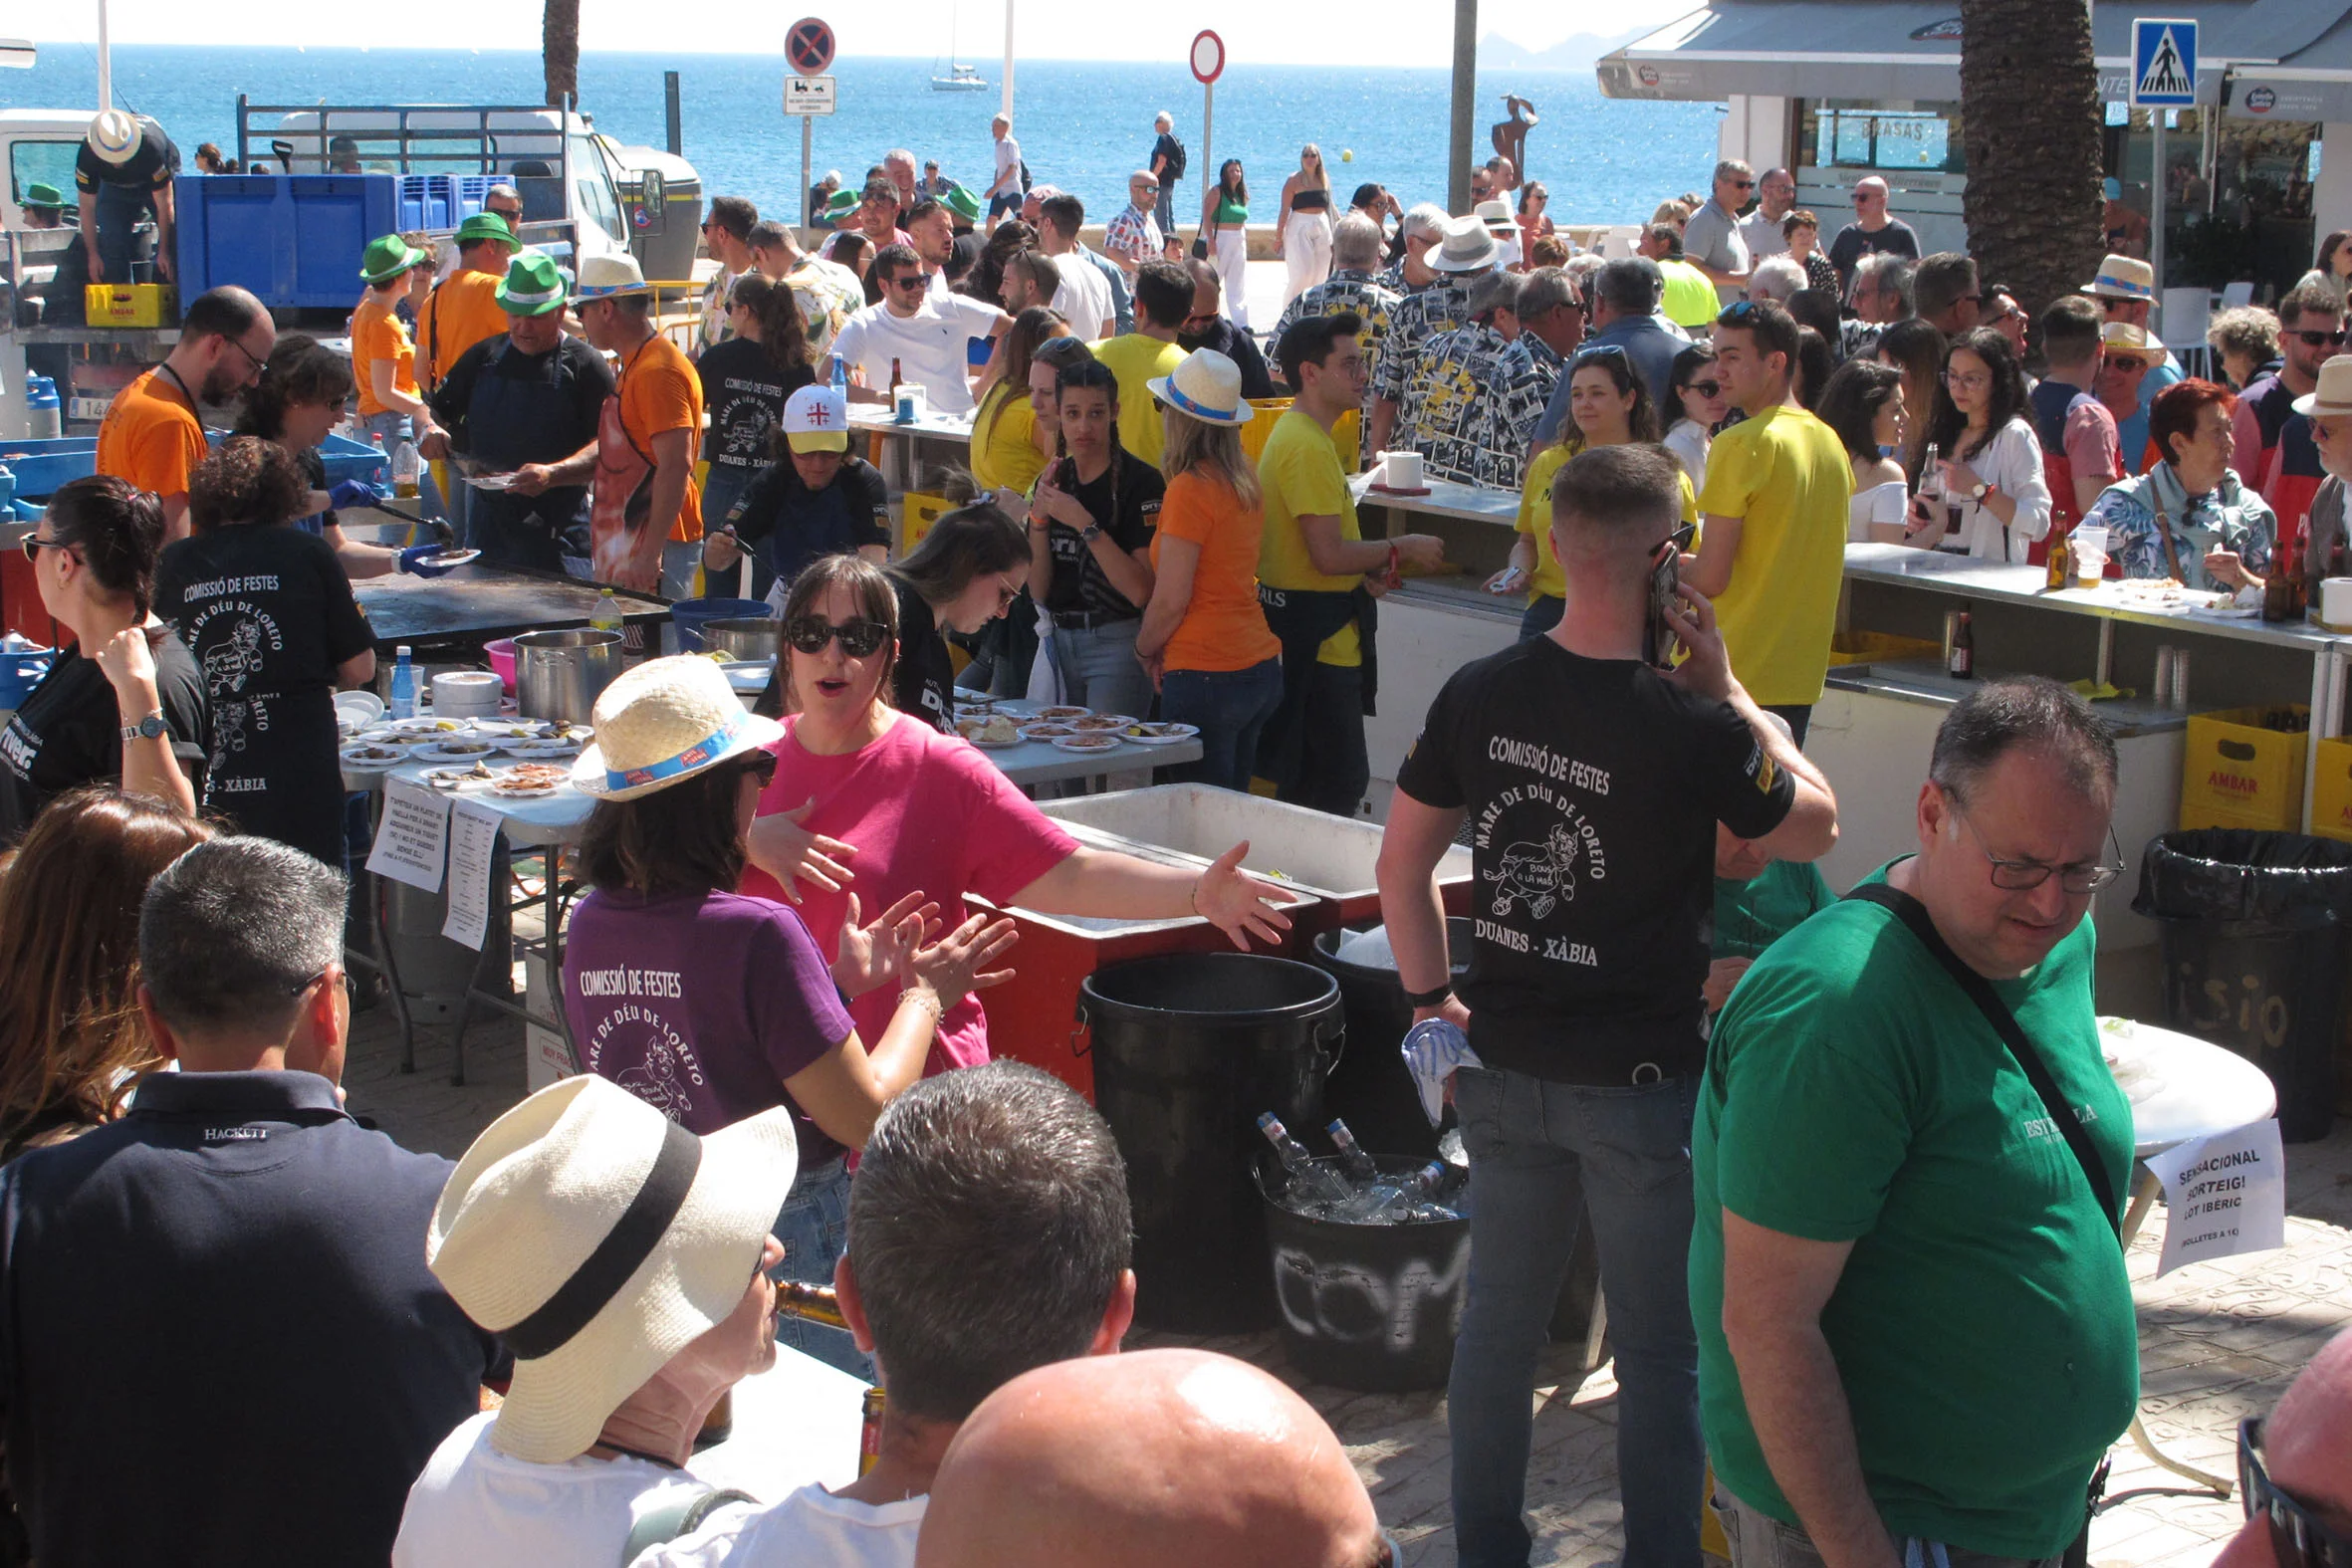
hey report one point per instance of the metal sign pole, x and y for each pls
(1207, 161)
(2156, 195)
(807, 173)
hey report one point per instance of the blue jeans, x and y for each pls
(1231, 707)
(1099, 669)
(814, 1226)
(1529, 1141)
(393, 427)
(1543, 613)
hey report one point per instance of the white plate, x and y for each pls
(444, 754)
(1099, 723)
(490, 480)
(1171, 735)
(454, 778)
(1060, 713)
(1055, 731)
(533, 749)
(365, 706)
(518, 792)
(429, 726)
(1086, 745)
(370, 765)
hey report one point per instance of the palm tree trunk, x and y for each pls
(2030, 128)
(560, 48)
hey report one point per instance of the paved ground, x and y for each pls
(2218, 1341)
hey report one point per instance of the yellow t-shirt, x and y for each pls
(1534, 520)
(1784, 474)
(150, 436)
(1690, 300)
(1138, 361)
(1300, 474)
(1004, 441)
(378, 334)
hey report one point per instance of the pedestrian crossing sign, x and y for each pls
(2164, 62)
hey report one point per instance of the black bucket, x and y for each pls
(1189, 1051)
(1372, 1091)
(1372, 1307)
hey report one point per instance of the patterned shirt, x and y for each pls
(2230, 517)
(1522, 389)
(829, 294)
(1412, 322)
(716, 328)
(1348, 289)
(1449, 401)
(1132, 234)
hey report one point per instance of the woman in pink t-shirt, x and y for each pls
(868, 801)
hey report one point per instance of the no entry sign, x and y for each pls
(1208, 56)
(810, 47)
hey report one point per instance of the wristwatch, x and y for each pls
(1984, 488)
(1434, 996)
(146, 729)
(1091, 533)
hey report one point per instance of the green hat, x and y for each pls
(487, 226)
(841, 205)
(42, 198)
(960, 201)
(531, 286)
(389, 257)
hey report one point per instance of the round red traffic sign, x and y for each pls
(1208, 56)
(809, 45)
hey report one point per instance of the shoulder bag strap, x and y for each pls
(1914, 914)
(681, 1517)
(2164, 532)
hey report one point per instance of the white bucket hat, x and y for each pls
(664, 722)
(114, 137)
(2332, 397)
(2123, 277)
(600, 1239)
(1466, 246)
(1207, 385)
(610, 277)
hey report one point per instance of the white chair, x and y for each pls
(2235, 294)
(2186, 313)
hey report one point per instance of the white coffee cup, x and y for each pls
(1401, 469)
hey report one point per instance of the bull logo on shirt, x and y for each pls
(1540, 875)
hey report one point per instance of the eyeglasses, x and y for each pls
(33, 545)
(259, 366)
(1007, 593)
(2299, 1538)
(1966, 381)
(2021, 876)
(759, 765)
(1703, 388)
(859, 638)
(2322, 340)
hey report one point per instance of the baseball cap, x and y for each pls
(817, 419)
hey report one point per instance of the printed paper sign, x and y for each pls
(2227, 1194)
(414, 836)
(473, 841)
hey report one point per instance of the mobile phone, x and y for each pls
(1658, 641)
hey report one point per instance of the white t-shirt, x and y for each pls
(487, 1509)
(929, 345)
(812, 1526)
(1687, 443)
(1008, 161)
(1083, 297)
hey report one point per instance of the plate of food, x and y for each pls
(565, 730)
(544, 748)
(509, 728)
(1101, 721)
(455, 749)
(448, 559)
(1086, 743)
(426, 725)
(991, 733)
(1159, 734)
(1064, 714)
(1046, 732)
(372, 757)
(458, 777)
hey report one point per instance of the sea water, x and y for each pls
(1082, 126)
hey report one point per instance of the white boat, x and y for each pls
(959, 79)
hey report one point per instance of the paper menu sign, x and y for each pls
(412, 837)
(2225, 1195)
(473, 840)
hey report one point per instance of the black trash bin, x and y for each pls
(2252, 926)
(1189, 1051)
(1372, 1091)
(1372, 1307)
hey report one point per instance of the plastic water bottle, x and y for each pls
(1352, 1158)
(1309, 1181)
(403, 704)
(1387, 1202)
(407, 471)
(606, 615)
(44, 416)
(840, 376)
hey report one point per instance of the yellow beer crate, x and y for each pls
(131, 304)
(2237, 772)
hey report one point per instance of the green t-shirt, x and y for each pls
(1751, 916)
(1984, 1325)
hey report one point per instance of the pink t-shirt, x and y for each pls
(928, 812)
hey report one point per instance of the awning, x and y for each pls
(1877, 51)
(2315, 83)
(17, 52)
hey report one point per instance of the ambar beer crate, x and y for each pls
(2244, 768)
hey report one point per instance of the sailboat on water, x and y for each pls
(960, 78)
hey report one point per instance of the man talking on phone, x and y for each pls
(1592, 781)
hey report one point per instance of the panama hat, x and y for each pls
(2333, 396)
(1464, 246)
(389, 257)
(42, 198)
(113, 135)
(2123, 277)
(1206, 385)
(610, 278)
(841, 205)
(817, 419)
(661, 724)
(487, 226)
(2123, 337)
(960, 201)
(600, 1239)
(531, 286)
(1495, 214)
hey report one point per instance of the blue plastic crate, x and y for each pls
(429, 201)
(294, 239)
(41, 467)
(349, 459)
(472, 191)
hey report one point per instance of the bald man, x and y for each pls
(2306, 1456)
(1161, 1458)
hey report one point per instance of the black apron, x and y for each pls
(510, 421)
(1302, 620)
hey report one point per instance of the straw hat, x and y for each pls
(1464, 246)
(389, 256)
(2333, 396)
(610, 277)
(2123, 339)
(487, 226)
(817, 419)
(532, 285)
(1206, 385)
(600, 1239)
(664, 722)
(113, 135)
(2123, 277)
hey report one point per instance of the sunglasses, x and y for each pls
(1599, 354)
(1743, 184)
(1703, 388)
(34, 546)
(859, 638)
(2299, 1538)
(759, 765)
(2322, 340)
(912, 279)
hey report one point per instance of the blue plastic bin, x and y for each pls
(294, 239)
(429, 201)
(472, 191)
(21, 672)
(41, 466)
(349, 459)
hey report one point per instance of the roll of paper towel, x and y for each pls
(2335, 604)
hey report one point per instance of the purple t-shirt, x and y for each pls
(701, 1005)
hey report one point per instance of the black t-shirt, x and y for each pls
(966, 255)
(1078, 582)
(745, 390)
(1173, 150)
(1594, 787)
(150, 169)
(923, 682)
(268, 615)
(70, 731)
(1242, 349)
(1854, 242)
(800, 524)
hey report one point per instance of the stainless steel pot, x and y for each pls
(560, 674)
(751, 637)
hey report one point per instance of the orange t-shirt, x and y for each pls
(456, 316)
(1223, 628)
(376, 334)
(150, 436)
(661, 392)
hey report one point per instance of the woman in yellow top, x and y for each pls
(1004, 453)
(1607, 406)
(383, 355)
(1205, 642)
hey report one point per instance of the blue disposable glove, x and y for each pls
(412, 561)
(356, 493)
